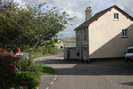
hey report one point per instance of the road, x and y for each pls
(104, 74)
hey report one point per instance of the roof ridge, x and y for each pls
(98, 15)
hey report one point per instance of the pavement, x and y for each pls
(104, 74)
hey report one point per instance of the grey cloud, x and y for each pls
(126, 5)
(77, 8)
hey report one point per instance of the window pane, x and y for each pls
(122, 32)
(116, 16)
(125, 32)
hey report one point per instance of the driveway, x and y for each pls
(104, 74)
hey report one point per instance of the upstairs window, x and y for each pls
(85, 32)
(116, 16)
(124, 33)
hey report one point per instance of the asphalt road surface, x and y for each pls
(104, 74)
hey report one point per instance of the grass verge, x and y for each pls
(48, 70)
(38, 54)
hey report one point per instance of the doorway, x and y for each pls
(68, 54)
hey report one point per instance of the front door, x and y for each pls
(68, 54)
(85, 53)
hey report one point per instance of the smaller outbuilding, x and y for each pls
(69, 48)
(60, 44)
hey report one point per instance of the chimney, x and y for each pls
(88, 13)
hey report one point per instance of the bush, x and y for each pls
(7, 69)
(27, 78)
(15, 72)
(29, 75)
(55, 40)
(38, 49)
(53, 50)
(35, 67)
(25, 50)
(49, 48)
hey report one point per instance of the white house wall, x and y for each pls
(59, 44)
(72, 53)
(105, 36)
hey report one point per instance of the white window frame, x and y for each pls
(124, 33)
(116, 16)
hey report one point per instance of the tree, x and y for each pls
(5, 4)
(32, 25)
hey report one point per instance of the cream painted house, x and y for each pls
(60, 44)
(107, 34)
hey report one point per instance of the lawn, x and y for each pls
(48, 70)
(38, 54)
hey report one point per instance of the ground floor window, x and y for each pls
(124, 33)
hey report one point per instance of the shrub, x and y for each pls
(29, 75)
(53, 50)
(49, 48)
(25, 50)
(27, 78)
(7, 69)
(15, 72)
(38, 49)
(52, 45)
(55, 40)
(35, 67)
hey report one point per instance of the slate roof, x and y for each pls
(68, 39)
(70, 44)
(98, 15)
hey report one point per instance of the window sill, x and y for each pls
(116, 19)
(124, 37)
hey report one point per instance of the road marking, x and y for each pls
(55, 75)
(51, 82)
(54, 79)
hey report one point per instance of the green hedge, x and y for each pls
(53, 50)
(39, 49)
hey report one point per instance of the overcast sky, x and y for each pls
(77, 8)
